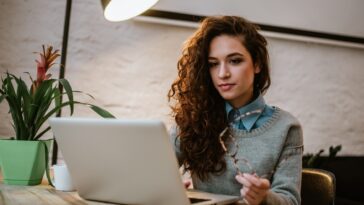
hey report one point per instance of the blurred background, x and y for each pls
(129, 66)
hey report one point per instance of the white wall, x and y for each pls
(129, 66)
(328, 16)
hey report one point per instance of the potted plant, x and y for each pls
(317, 161)
(24, 157)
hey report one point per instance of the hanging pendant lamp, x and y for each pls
(119, 10)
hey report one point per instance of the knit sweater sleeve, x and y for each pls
(286, 181)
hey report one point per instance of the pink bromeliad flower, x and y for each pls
(46, 61)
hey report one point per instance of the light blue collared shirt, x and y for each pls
(254, 120)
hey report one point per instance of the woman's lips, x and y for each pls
(226, 86)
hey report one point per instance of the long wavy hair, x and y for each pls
(198, 109)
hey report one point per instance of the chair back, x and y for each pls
(318, 187)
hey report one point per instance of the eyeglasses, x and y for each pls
(239, 162)
(232, 152)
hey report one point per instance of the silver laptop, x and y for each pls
(125, 161)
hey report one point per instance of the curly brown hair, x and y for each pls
(199, 110)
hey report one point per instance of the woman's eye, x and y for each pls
(236, 61)
(213, 64)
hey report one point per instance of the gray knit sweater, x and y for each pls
(274, 151)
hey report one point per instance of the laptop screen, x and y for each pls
(123, 161)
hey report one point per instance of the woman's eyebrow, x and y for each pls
(228, 56)
(234, 54)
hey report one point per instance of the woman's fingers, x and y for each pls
(254, 188)
(242, 180)
(250, 192)
(260, 183)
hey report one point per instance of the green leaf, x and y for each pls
(57, 97)
(67, 87)
(41, 103)
(45, 103)
(31, 80)
(333, 151)
(43, 109)
(9, 87)
(77, 91)
(15, 107)
(24, 98)
(52, 112)
(103, 113)
(42, 133)
(42, 89)
(98, 110)
(2, 97)
(313, 161)
(38, 98)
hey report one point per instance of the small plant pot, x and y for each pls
(24, 162)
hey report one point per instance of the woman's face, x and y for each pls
(232, 69)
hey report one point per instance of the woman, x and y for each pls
(226, 136)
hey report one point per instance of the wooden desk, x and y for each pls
(42, 194)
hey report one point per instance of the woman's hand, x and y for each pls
(254, 189)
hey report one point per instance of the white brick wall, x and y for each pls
(129, 66)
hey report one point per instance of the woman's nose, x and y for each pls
(223, 71)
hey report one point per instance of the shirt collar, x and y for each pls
(249, 121)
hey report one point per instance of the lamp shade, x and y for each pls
(119, 10)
